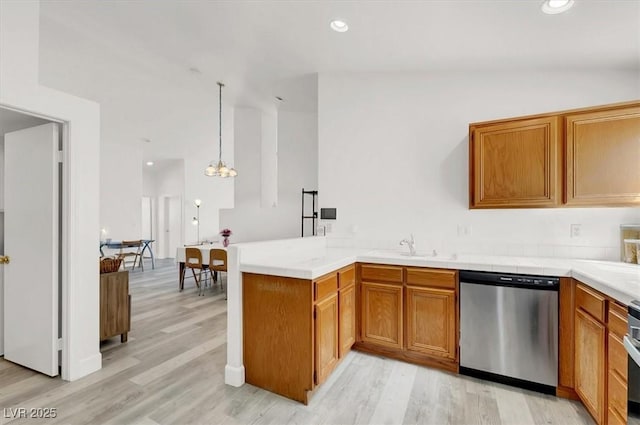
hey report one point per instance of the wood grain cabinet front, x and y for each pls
(296, 330)
(347, 319)
(381, 314)
(515, 164)
(581, 157)
(600, 359)
(431, 321)
(590, 364)
(115, 305)
(603, 148)
(326, 337)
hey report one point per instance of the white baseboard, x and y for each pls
(85, 367)
(234, 376)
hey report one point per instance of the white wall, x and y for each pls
(121, 191)
(393, 159)
(296, 162)
(19, 89)
(185, 178)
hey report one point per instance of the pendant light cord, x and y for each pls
(220, 121)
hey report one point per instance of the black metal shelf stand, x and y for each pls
(314, 212)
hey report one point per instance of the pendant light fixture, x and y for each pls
(220, 170)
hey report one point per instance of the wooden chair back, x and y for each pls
(215, 257)
(193, 258)
(132, 244)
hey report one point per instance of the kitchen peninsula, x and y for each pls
(297, 306)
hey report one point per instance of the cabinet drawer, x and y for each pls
(325, 286)
(617, 394)
(346, 277)
(591, 302)
(438, 278)
(618, 358)
(617, 320)
(376, 273)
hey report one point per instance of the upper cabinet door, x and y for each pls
(515, 164)
(603, 153)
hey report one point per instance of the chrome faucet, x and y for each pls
(411, 244)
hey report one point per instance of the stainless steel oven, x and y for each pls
(632, 344)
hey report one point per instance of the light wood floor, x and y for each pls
(172, 372)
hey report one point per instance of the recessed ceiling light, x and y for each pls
(552, 7)
(149, 163)
(144, 139)
(339, 26)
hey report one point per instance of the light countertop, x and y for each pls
(618, 280)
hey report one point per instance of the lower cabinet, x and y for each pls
(382, 314)
(600, 359)
(430, 321)
(347, 314)
(296, 331)
(411, 314)
(326, 333)
(590, 369)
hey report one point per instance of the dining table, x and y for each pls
(204, 249)
(115, 244)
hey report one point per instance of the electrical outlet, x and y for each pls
(576, 230)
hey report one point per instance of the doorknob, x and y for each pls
(4, 259)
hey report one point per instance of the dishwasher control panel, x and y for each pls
(506, 279)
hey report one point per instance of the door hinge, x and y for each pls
(59, 156)
(60, 344)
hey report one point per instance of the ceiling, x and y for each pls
(137, 55)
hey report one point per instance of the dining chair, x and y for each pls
(135, 253)
(193, 261)
(218, 263)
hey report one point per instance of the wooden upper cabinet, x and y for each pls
(603, 153)
(515, 164)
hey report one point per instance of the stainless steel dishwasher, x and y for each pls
(509, 329)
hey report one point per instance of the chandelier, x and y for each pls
(220, 169)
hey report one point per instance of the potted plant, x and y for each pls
(225, 234)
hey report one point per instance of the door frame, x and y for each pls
(64, 235)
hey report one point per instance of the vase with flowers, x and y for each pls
(225, 233)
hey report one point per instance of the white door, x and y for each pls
(2, 283)
(31, 241)
(175, 225)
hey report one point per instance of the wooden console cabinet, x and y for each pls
(115, 305)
